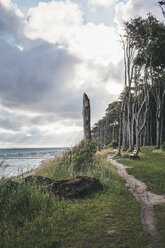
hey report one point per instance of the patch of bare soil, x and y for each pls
(146, 199)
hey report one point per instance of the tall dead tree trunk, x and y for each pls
(86, 118)
(159, 109)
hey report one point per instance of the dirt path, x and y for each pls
(146, 199)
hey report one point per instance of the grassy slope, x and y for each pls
(107, 219)
(150, 169)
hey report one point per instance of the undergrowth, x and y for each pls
(32, 219)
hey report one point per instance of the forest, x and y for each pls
(137, 118)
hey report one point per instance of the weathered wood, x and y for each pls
(68, 188)
(134, 155)
(86, 118)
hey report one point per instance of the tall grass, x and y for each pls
(32, 219)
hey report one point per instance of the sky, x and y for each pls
(51, 52)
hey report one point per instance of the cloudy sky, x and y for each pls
(51, 52)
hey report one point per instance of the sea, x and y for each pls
(16, 161)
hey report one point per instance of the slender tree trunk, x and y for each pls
(124, 124)
(137, 139)
(161, 131)
(132, 125)
(157, 132)
(158, 122)
(129, 123)
(120, 133)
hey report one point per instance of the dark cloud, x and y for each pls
(11, 22)
(37, 79)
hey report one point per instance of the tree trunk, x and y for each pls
(124, 124)
(157, 133)
(120, 134)
(137, 139)
(129, 123)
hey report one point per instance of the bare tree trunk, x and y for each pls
(158, 132)
(147, 141)
(86, 118)
(161, 131)
(120, 132)
(141, 122)
(144, 136)
(137, 139)
(124, 128)
(159, 109)
(132, 125)
(151, 132)
(129, 123)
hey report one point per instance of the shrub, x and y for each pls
(83, 155)
(114, 144)
(125, 155)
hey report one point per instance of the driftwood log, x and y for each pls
(68, 188)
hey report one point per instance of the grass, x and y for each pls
(31, 219)
(150, 168)
(160, 215)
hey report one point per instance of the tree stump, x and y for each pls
(86, 118)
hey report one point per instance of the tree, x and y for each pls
(138, 116)
(162, 4)
(144, 49)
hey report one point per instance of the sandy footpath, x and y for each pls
(147, 201)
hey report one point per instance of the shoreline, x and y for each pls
(32, 171)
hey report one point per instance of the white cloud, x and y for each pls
(104, 3)
(55, 22)
(135, 8)
(98, 43)
(62, 23)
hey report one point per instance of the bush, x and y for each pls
(83, 155)
(114, 144)
(125, 155)
(163, 146)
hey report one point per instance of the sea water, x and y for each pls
(17, 161)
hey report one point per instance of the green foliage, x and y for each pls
(125, 155)
(114, 144)
(83, 155)
(163, 146)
